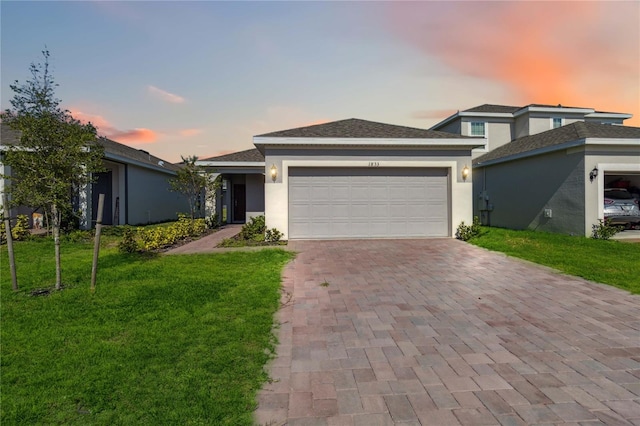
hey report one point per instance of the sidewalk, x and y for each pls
(207, 244)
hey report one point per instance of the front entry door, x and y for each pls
(102, 185)
(239, 203)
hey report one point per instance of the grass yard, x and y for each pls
(610, 262)
(164, 340)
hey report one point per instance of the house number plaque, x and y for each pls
(374, 164)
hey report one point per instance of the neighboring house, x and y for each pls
(501, 124)
(546, 167)
(554, 181)
(135, 184)
(352, 179)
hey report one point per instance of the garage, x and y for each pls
(372, 202)
(621, 192)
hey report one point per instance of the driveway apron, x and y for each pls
(439, 332)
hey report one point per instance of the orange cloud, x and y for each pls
(135, 136)
(571, 53)
(107, 130)
(165, 96)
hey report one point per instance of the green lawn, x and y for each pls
(164, 340)
(610, 262)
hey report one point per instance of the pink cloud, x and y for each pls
(134, 136)
(572, 53)
(165, 96)
(97, 120)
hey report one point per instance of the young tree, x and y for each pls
(194, 182)
(56, 154)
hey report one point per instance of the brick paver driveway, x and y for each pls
(440, 332)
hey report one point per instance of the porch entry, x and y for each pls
(239, 202)
(102, 185)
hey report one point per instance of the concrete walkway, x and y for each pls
(207, 244)
(439, 332)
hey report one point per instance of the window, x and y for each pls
(557, 122)
(477, 128)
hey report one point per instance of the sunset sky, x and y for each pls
(201, 78)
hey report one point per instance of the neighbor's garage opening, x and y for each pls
(622, 199)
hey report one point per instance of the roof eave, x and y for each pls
(127, 160)
(562, 146)
(372, 142)
(529, 109)
(207, 163)
(620, 115)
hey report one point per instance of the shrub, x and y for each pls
(158, 237)
(19, 231)
(212, 221)
(128, 243)
(604, 230)
(273, 235)
(254, 229)
(467, 232)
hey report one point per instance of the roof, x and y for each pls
(113, 150)
(361, 129)
(493, 108)
(572, 132)
(248, 156)
(117, 151)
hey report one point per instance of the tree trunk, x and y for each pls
(55, 219)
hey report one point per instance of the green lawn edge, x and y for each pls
(611, 262)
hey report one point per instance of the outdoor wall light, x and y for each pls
(593, 174)
(465, 173)
(274, 172)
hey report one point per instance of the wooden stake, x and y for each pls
(96, 247)
(7, 228)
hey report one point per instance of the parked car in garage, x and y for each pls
(621, 208)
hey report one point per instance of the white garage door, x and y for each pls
(368, 202)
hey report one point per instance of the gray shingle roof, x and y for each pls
(571, 132)
(356, 128)
(512, 109)
(9, 136)
(493, 108)
(249, 156)
(126, 152)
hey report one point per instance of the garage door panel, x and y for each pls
(341, 192)
(368, 203)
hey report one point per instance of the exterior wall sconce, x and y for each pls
(465, 173)
(593, 174)
(274, 172)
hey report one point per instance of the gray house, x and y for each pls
(554, 181)
(135, 184)
(547, 167)
(351, 179)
